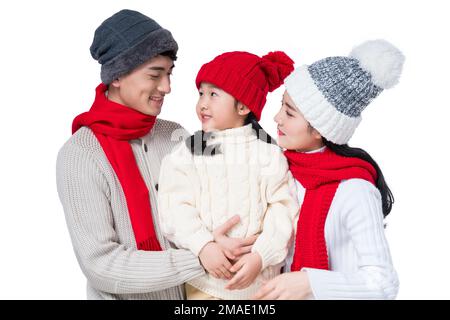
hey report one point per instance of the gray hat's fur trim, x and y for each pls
(156, 43)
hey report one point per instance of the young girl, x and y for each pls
(231, 168)
(340, 248)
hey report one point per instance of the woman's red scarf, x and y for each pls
(320, 174)
(114, 125)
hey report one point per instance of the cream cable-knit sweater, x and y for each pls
(249, 178)
(99, 224)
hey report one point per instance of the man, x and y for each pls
(107, 171)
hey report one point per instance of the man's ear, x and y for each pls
(243, 110)
(115, 83)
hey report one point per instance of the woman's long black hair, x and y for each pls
(387, 197)
(197, 142)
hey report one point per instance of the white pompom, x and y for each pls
(382, 60)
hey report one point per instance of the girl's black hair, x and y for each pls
(387, 197)
(197, 142)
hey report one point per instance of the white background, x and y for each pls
(48, 77)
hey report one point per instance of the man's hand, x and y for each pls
(214, 261)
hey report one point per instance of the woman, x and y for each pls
(340, 250)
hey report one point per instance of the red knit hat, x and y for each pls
(246, 76)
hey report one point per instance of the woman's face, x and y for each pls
(218, 110)
(144, 88)
(294, 132)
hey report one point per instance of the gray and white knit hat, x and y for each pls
(126, 40)
(331, 93)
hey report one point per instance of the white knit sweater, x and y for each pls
(358, 253)
(249, 178)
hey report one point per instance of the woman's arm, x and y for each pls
(375, 276)
(362, 221)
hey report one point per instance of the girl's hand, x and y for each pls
(286, 286)
(233, 248)
(214, 261)
(248, 267)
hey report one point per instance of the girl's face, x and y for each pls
(144, 88)
(294, 132)
(218, 110)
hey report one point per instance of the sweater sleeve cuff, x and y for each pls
(268, 255)
(187, 265)
(326, 285)
(317, 282)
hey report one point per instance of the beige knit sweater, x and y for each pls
(249, 178)
(99, 224)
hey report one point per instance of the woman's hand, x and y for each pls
(214, 261)
(286, 286)
(248, 267)
(233, 248)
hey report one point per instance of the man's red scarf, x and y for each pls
(114, 125)
(320, 174)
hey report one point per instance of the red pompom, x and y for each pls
(277, 66)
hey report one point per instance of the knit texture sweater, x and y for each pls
(99, 224)
(248, 177)
(358, 252)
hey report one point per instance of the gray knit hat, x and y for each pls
(126, 40)
(331, 93)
